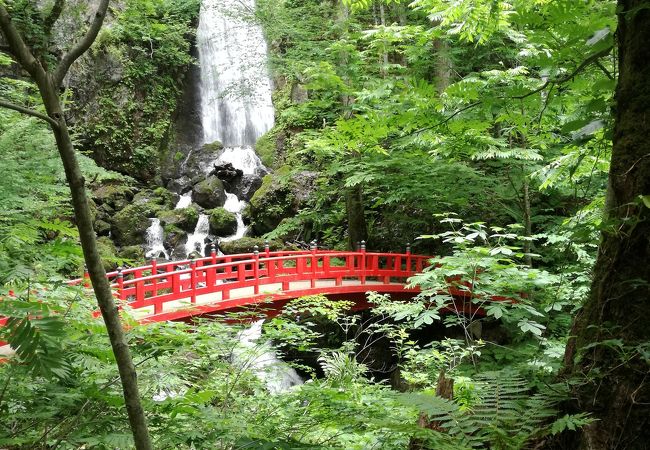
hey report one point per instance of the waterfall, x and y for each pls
(236, 206)
(196, 240)
(184, 201)
(154, 240)
(236, 106)
(236, 102)
(261, 359)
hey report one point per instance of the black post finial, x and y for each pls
(256, 250)
(363, 245)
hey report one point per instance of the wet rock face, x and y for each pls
(226, 172)
(209, 193)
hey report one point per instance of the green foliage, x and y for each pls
(148, 47)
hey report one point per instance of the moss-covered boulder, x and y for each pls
(222, 223)
(102, 228)
(159, 196)
(113, 193)
(265, 147)
(247, 245)
(209, 193)
(130, 224)
(183, 218)
(108, 252)
(272, 202)
(132, 252)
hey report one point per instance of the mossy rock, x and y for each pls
(130, 223)
(132, 252)
(272, 202)
(108, 253)
(184, 218)
(112, 193)
(247, 245)
(265, 147)
(209, 193)
(101, 227)
(159, 196)
(212, 147)
(222, 223)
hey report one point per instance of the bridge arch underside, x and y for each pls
(271, 304)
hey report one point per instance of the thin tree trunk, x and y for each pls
(528, 226)
(48, 84)
(357, 229)
(101, 286)
(612, 328)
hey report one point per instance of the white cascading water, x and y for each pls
(154, 237)
(184, 201)
(236, 106)
(236, 206)
(260, 358)
(196, 240)
(235, 88)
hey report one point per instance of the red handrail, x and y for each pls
(160, 283)
(144, 287)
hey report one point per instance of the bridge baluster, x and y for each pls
(193, 280)
(312, 280)
(408, 259)
(363, 262)
(86, 277)
(120, 283)
(154, 272)
(256, 270)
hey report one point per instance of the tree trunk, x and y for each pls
(612, 329)
(48, 84)
(357, 229)
(101, 286)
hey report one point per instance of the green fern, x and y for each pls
(506, 415)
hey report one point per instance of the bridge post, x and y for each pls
(267, 248)
(193, 280)
(363, 262)
(213, 253)
(256, 270)
(86, 278)
(313, 246)
(408, 258)
(120, 284)
(154, 272)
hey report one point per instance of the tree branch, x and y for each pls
(80, 47)
(583, 65)
(593, 59)
(29, 112)
(17, 46)
(53, 16)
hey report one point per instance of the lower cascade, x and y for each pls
(196, 240)
(261, 359)
(154, 240)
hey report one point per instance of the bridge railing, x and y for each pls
(157, 284)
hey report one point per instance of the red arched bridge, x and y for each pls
(175, 290)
